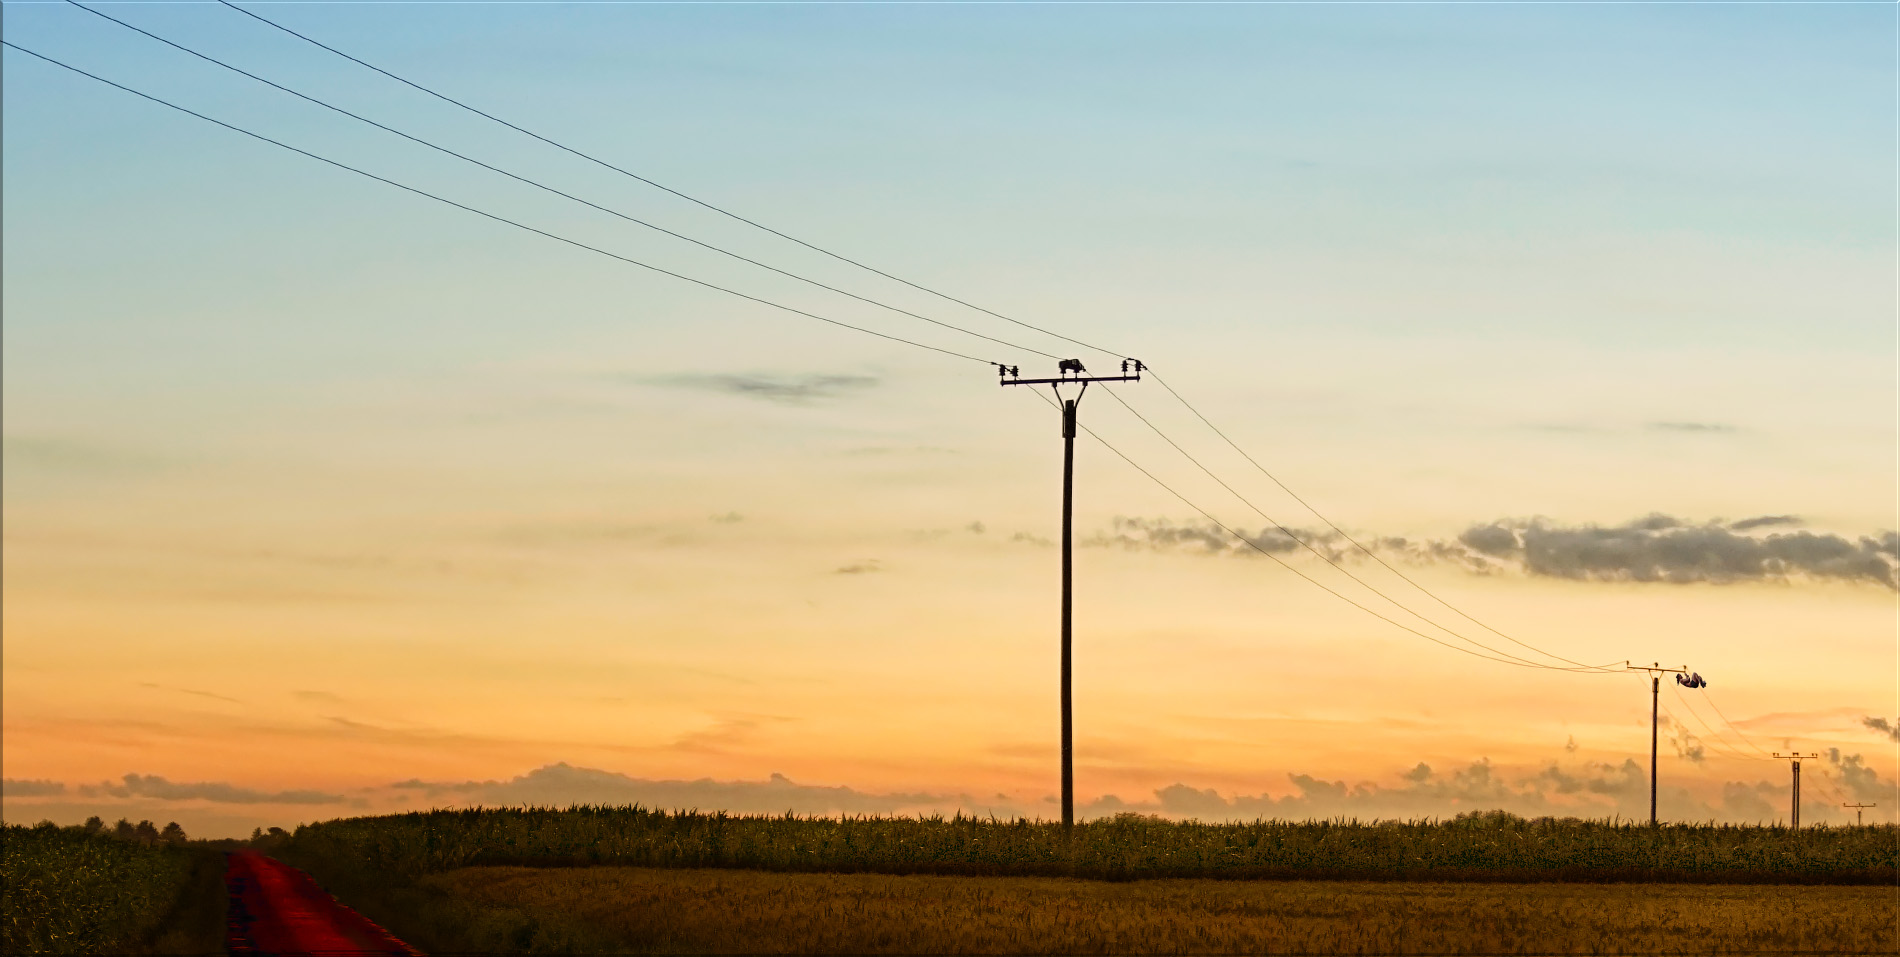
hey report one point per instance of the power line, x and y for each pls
(543, 186)
(1343, 534)
(1731, 726)
(1283, 564)
(659, 186)
(488, 215)
(1328, 559)
(1715, 737)
(922, 288)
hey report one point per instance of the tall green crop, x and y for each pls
(70, 892)
(1492, 846)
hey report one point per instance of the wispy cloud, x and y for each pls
(153, 786)
(790, 389)
(860, 568)
(191, 691)
(1691, 427)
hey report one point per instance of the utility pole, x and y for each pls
(1857, 809)
(1068, 372)
(1656, 671)
(1794, 761)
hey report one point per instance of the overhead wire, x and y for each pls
(488, 215)
(1715, 736)
(656, 185)
(550, 189)
(1289, 533)
(723, 211)
(1284, 564)
(1576, 665)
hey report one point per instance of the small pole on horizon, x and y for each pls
(1857, 810)
(1656, 672)
(1008, 376)
(1794, 761)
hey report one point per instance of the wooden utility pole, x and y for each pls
(1656, 671)
(1068, 372)
(1857, 809)
(1794, 760)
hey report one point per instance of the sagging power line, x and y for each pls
(1573, 665)
(488, 215)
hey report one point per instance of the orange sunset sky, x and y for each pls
(324, 499)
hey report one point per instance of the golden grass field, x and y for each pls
(737, 911)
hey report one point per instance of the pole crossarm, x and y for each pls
(1068, 380)
(1656, 669)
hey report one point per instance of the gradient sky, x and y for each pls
(313, 486)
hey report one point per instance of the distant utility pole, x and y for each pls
(1857, 809)
(1068, 372)
(1656, 671)
(1794, 761)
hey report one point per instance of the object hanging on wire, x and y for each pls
(1691, 680)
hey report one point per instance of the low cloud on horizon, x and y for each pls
(1560, 787)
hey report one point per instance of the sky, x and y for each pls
(324, 498)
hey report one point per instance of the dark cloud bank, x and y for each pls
(1656, 548)
(153, 786)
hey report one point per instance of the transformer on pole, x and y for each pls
(1068, 372)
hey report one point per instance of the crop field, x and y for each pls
(1484, 847)
(70, 892)
(618, 879)
(649, 910)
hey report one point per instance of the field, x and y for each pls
(619, 879)
(71, 892)
(651, 910)
(1484, 847)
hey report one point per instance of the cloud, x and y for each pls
(1764, 521)
(1859, 780)
(1691, 427)
(323, 697)
(1031, 539)
(860, 568)
(562, 784)
(729, 518)
(191, 691)
(1881, 726)
(1163, 535)
(791, 390)
(16, 787)
(153, 786)
(1588, 789)
(70, 457)
(1661, 548)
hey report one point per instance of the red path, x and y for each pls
(277, 909)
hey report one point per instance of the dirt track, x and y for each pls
(277, 909)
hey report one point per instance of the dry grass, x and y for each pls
(735, 911)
